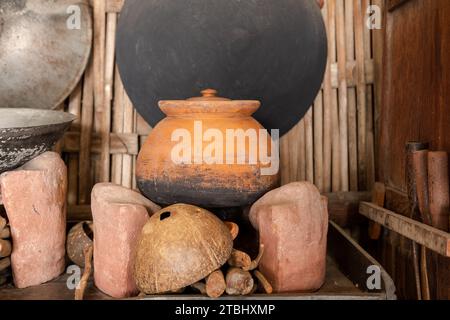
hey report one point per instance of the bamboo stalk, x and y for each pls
(87, 119)
(117, 125)
(128, 127)
(293, 153)
(342, 95)
(318, 142)
(72, 168)
(284, 159)
(361, 93)
(327, 101)
(309, 146)
(301, 168)
(352, 123)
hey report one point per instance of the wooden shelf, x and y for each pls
(432, 238)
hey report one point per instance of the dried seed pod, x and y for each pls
(179, 246)
(239, 282)
(215, 284)
(255, 263)
(78, 239)
(265, 284)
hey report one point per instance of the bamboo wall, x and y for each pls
(333, 146)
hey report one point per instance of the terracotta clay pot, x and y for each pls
(189, 158)
(180, 245)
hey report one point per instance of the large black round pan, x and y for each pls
(270, 50)
(27, 133)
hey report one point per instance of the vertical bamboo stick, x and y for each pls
(301, 170)
(128, 121)
(294, 153)
(87, 119)
(318, 142)
(284, 159)
(72, 168)
(335, 133)
(343, 103)
(352, 123)
(361, 93)
(309, 146)
(327, 101)
(116, 175)
(101, 114)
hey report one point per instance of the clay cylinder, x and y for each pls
(119, 215)
(438, 186)
(34, 197)
(293, 223)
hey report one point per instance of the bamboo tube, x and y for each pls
(72, 168)
(342, 95)
(352, 123)
(309, 146)
(284, 159)
(318, 142)
(335, 133)
(361, 92)
(128, 127)
(301, 168)
(87, 119)
(117, 126)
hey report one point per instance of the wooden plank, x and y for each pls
(432, 238)
(120, 143)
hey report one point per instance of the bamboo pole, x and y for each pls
(72, 168)
(118, 109)
(128, 127)
(361, 93)
(309, 146)
(87, 119)
(318, 142)
(342, 94)
(294, 154)
(301, 169)
(352, 123)
(327, 101)
(284, 159)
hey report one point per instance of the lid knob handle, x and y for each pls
(209, 93)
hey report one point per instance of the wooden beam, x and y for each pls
(432, 238)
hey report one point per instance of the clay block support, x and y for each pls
(34, 197)
(119, 215)
(293, 223)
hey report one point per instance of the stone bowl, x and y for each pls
(27, 133)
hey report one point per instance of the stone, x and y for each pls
(293, 223)
(34, 197)
(119, 215)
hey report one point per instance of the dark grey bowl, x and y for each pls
(27, 133)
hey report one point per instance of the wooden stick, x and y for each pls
(293, 146)
(239, 282)
(239, 259)
(117, 125)
(234, 229)
(215, 284)
(265, 284)
(255, 263)
(5, 248)
(79, 291)
(5, 263)
(128, 127)
(72, 175)
(5, 233)
(342, 95)
(284, 159)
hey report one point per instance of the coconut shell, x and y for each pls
(79, 238)
(179, 246)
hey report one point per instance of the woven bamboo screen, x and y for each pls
(333, 146)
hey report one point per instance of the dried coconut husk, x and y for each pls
(180, 245)
(78, 239)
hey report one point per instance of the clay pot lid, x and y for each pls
(209, 102)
